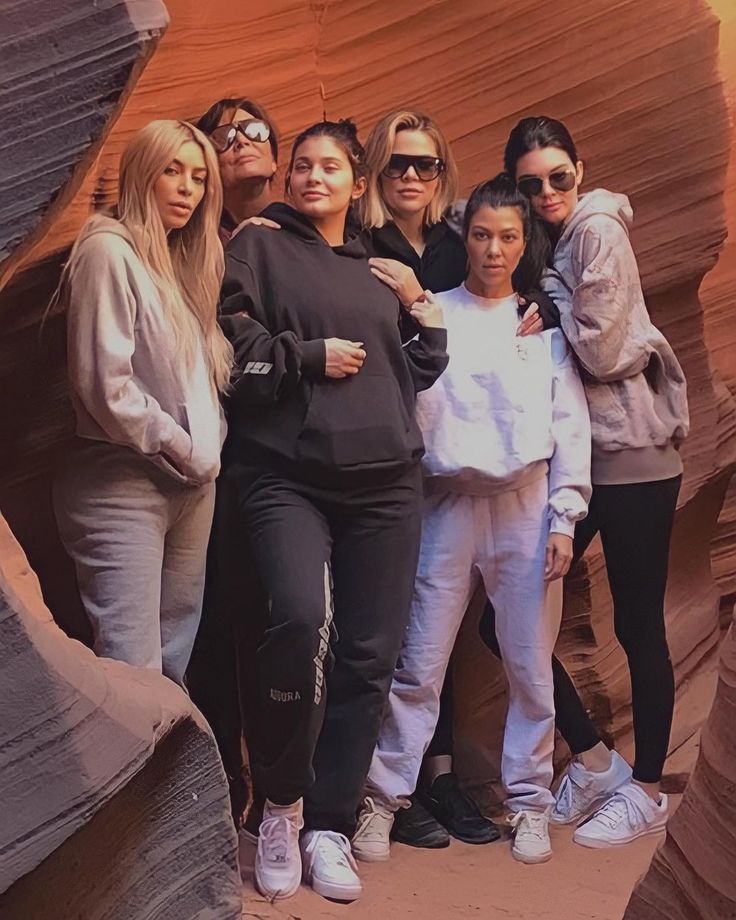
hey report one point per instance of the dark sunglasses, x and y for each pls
(562, 181)
(426, 168)
(223, 137)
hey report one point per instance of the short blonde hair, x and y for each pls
(378, 148)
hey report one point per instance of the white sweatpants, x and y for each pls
(502, 540)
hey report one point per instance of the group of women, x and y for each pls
(410, 413)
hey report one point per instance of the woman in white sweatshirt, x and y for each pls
(636, 392)
(146, 361)
(507, 475)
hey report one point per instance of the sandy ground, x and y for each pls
(482, 883)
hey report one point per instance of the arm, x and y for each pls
(266, 366)
(426, 356)
(569, 467)
(100, 345)
(598, 327)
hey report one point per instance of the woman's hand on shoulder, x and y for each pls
(427, 312)
(343, 358)
(531, 322)
(256, 222)
(399, 277)
(558, 556)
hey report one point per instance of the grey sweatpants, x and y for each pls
(138, 539)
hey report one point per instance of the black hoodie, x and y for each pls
(442, 266)
(284, 293)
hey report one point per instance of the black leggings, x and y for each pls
(635, 524)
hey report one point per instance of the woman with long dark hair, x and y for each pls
(506, 476)
(325, 451)
(638, 407)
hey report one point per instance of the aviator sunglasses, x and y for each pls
(223, 137)
(426, 168)
(562, 180)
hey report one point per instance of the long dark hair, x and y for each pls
(535, 133)
(214, 114)
(501, 192)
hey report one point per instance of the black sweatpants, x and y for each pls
(635, 524)
(221, 672)
(338, 567)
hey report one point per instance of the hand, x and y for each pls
(256, 222)
(427, 312)
(343, 358)
(558, 556)
(531, 321)
(399, 277)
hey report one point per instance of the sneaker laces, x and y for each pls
(334, 849)
(371, 810)
(619, 807)
(530, 824)
(275, 833)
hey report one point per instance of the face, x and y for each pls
(408, 196)
(246, 159)
(322, 184)
(495, 244)
(553, 206)
(181, 186)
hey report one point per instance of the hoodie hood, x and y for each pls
(599, 201)
(301, 226)
(104, 223)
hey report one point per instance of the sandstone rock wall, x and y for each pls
(644, 96)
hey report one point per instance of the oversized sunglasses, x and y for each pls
(426, 168)
(223, 137)
(563, 180)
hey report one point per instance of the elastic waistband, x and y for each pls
(472, 482)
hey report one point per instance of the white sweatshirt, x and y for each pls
(506, 409)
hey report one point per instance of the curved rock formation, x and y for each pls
(114, 800)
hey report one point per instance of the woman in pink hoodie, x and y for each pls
(638, 409)
(147, 360)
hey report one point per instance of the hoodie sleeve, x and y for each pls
(598, 326)
(266, 366)
(426, 357)
(569, 467)
(101, 320)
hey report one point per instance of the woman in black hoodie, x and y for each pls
(325, 450)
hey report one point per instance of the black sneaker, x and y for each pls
(416, 827)
(457, 811)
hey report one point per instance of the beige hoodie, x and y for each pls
(634, 384)
(128, 382)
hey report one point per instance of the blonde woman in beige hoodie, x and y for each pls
(146, 363)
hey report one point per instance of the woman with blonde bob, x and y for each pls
(146, 363)
(413, 181)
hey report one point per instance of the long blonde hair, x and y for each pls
(187, 265)
(378, 148)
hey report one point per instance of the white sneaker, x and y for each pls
(582, 791)
(371, 838)
(329, 866)
(278, 860)
(629, 814)
(531, 836)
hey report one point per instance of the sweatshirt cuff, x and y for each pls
(433, 337)
(562, 525)
(314, 358)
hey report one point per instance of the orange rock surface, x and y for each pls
(645, 91)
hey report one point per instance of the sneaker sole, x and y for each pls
(492, 837)
(336, 892)
(280, 895)
(531, 860)
(367, 857)
(595, 843)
